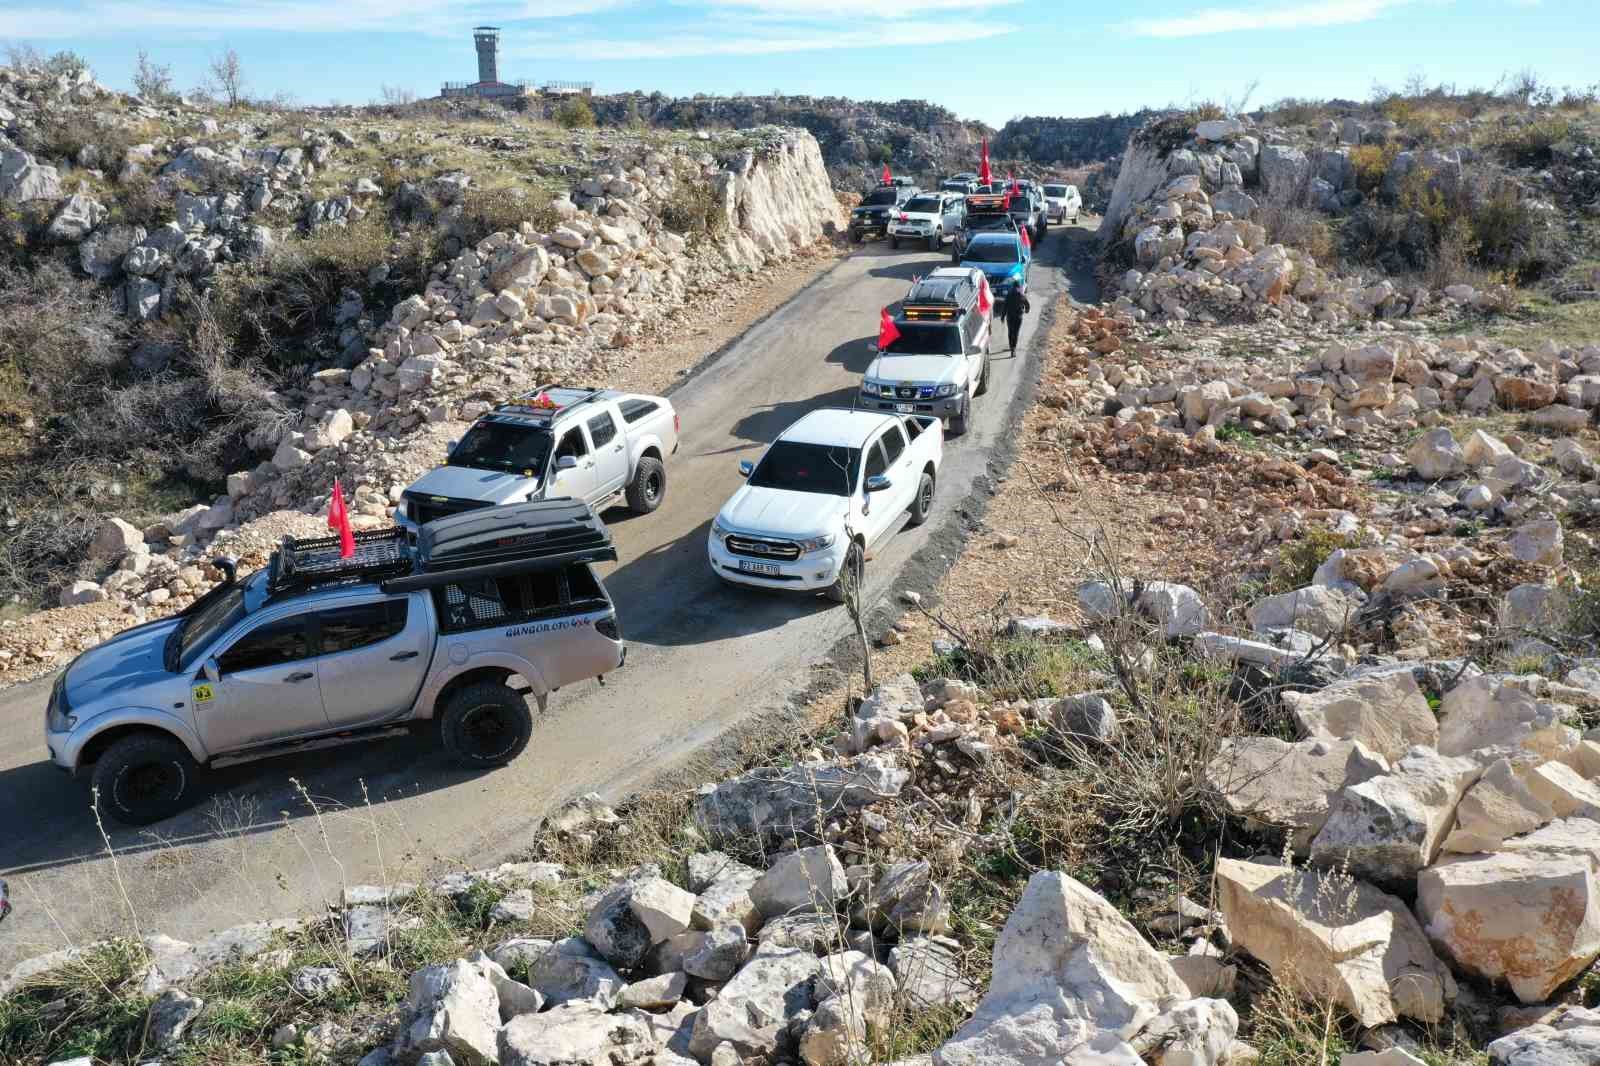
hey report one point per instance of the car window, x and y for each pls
(925, 338)
(272, 644)
(361, 626)
(797, 467)
(633, 410)
(572, 444)
(894, 443)
(922, 205)
(507, 600)
(879, 197)
(876, 464)
(601, 429)
(583, 587)
(1055, 190)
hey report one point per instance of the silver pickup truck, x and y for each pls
(593, 445)
(453, 631)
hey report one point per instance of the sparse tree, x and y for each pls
(575, 113)
(152, 80)
(1416, 85)
(1236, 105)
(397, 96)
(227, 78)
(21, 57)
(1524, 85)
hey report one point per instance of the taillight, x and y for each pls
(607, 627)
(677, 426)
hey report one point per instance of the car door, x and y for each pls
(954, 213)
(877, 508)
(899, 460)
(268, 688)
(578, 482)
(610, 449)
(371, 658)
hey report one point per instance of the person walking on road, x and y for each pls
(1015, 307)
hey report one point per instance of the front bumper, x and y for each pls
(869, 224)
(941, 406)
(923, 230)
(811, 572)
(1056, 212)
(63, 753)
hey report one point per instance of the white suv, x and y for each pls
(830, 487)
(940, 359)
(1062, 202)
(930, 217)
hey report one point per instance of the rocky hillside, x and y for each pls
(1067, 142)
(857, 137)
(210, 303)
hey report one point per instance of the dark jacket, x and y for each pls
(1015, 306)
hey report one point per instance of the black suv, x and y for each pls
(880, 204)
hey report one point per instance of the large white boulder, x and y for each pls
(114, 539)
(1498, 806)
(1496, 716)
(753, 1010)
(1069, 970)
(1277, 783)
(1320, 611)
(1528, 915)
(452, 1007)
(1436, 455)
(1387, 713)
(1388, 828)
(573, 1034)
(810, 879)
(1353, 943)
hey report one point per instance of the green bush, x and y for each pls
(693, 207)
(1298, 560)
(575, 113)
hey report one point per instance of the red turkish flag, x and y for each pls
(1015, 188)
(984, 302)
(1027, 242)
(888, 332)
(887, 177)
(983, 167)
(339, 520)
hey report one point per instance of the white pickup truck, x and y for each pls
(592, 445)
(831, 487)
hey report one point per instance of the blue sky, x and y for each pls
(985, 59)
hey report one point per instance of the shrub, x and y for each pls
(1371, 163)
(693, 207)
(486, 211)
(575, 113)
(1298, 559)
(1289, 222)
(1532, 145)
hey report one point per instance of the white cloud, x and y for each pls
(1231, 19)
(773, 42)
(852, 9)
(108, 18)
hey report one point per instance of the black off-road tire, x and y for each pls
(983, 378)
(959, 420)
(485, 725)
(922, 506)
(935, 240)
(894, 242)
(648, 487)
(855, 236)
(144, 778)
(853, 560)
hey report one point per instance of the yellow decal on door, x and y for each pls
(202, 693)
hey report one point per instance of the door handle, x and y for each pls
(618, 448)
(402, 656)
(303, 675)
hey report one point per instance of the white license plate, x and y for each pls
(764, 569)
(905, 408)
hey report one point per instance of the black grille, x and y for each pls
(761, 548)
(906, 392)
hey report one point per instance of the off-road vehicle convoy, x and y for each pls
(1063, 203)
(830, 488)
(939, 360)
(929, 217)
(594, 445)
(453, 631)
(878, 207)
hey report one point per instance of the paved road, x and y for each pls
(277, 838)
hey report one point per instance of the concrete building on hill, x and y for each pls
(490, 87)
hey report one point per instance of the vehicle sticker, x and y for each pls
(202, 693)
(546, 627)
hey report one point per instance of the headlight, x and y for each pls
(56, 718)
(718, 530)
(945, 390)
(816, 544)
(873, 388)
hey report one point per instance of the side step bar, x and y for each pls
(338, 740)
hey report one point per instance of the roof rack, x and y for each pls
(529, 404)
(988, 203)
(513, 539)
(310, 561)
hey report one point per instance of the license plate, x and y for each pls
(905, 408)
(764, 569)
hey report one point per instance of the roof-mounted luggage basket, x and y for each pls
(300, 564)
(514, 539)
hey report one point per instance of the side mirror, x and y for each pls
(450, 446)
(872, 346)
(878, 483)
(210, 670)
(746, 468)
(566, 462)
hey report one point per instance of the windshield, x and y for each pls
(825, 468)
(202, 627)
(925, 339)
(992, 252)
(1055, 190)
(881, 196)
(502, 446)
(927, 205)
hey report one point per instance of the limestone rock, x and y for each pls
(1436, 455)
(561, 971)
(1538, 542)
(452, 1007)
(114, 539)
(810, 879)
(1195, 1032)
(1500, 805)
(1277, 783)
(1068, 969)
(1495, 716)
(662, 906)
(573, 1034)
(169, 1018)
(753, 1010)
(1388, 714)
(1320, 611)
(927, 971)
(1528, 915)
(654, 993)
(1573, 1039)
(905, 902)
(1373, 958)
(1389, 827)
(615, 930)
(783, 803)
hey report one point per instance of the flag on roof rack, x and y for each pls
(983, 168)
(339, 521)
(984, 302)
(543, 400)
(888, 332)
(887, 177)
(1015, 188)
(1027, 242)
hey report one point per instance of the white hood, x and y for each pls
(782, 512)
(921, 369)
